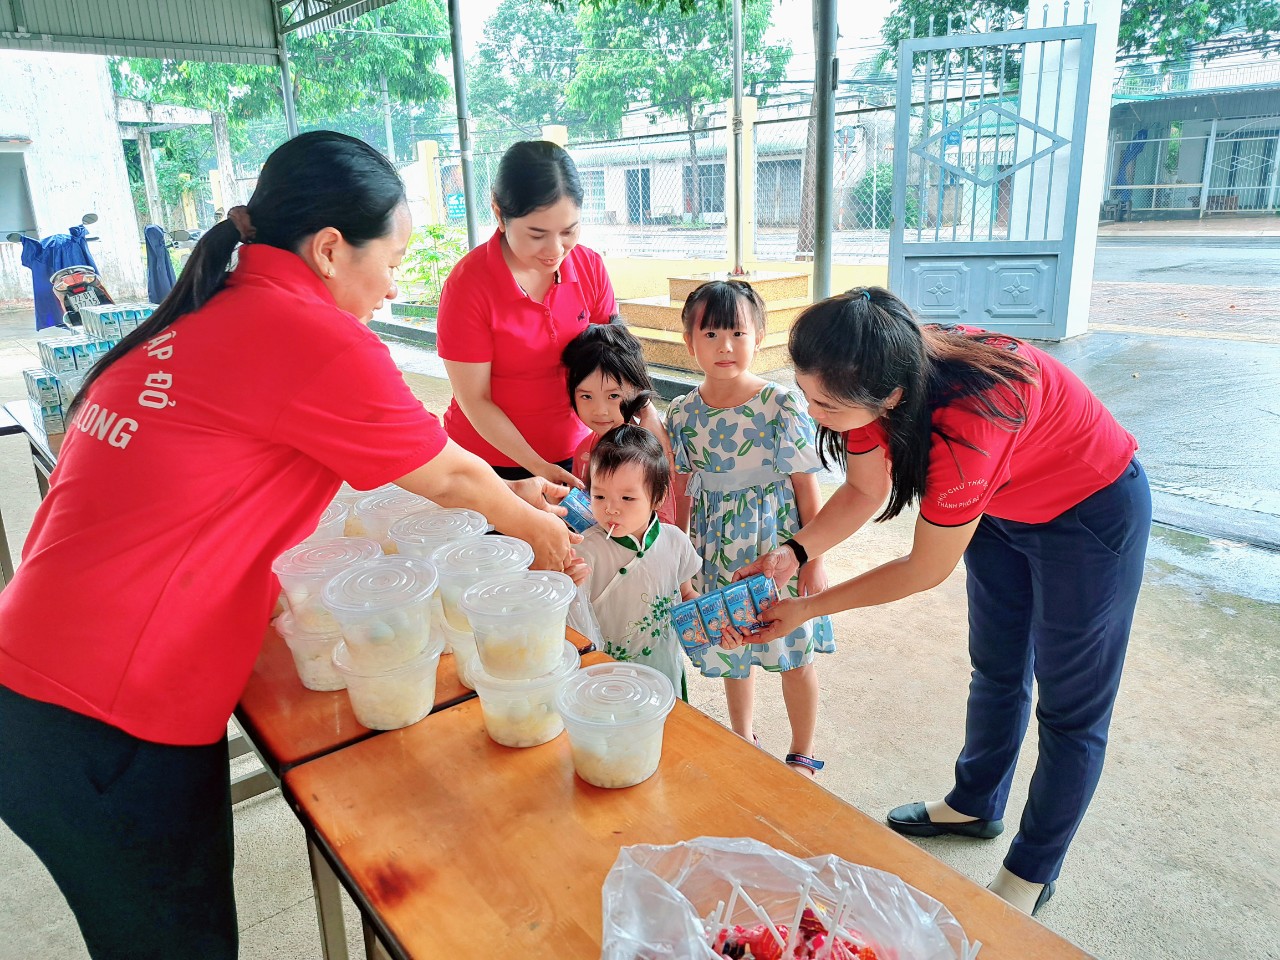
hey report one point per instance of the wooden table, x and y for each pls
(447, 841)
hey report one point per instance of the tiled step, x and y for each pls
(661, 313)
(771, 285)
(664, 348)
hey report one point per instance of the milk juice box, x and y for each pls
(80, 350)
(579, 517)
(97, 349)
(715, 615)
(742, 612)
(689, 629)
(42, 386)
(57, 355)
(764, 593)
(68, 386)
(48, 418)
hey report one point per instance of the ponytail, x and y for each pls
(864, 344)
(316, 180)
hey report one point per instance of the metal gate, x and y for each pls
(988, 156)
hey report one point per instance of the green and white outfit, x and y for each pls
(634, 583)
(742, 505)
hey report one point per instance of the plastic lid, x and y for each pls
(483, 556)
(350, 495)
(383, 583)
(342, 660)
(610, 694)
(334, 512)
(568, 664)
(519, 594)
(438, 526)
(322, 557)
(390, 504)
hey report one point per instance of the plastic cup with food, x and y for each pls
(312, 655)
(519, 621)
(522, 713)
(462, 564)
(394, 698)
(333, 522)
(378, 511)
(383, 608)
(305, 569)
(614, 714)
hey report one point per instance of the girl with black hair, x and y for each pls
(635, 568)
(206, 443)
(510, 307)
(609, 385)
(1021, 471)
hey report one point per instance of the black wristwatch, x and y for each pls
(802, 555)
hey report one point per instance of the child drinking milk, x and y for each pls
(609, 385)
(639, 567)
(749, 445)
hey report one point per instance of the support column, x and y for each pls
(747, 253)
(826, 69)
(149, 177)
(464, 121)
(1206, 172)
(429, 159)
(226, 171)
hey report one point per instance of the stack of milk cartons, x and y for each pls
(66, 360)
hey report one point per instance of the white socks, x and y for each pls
(1020, 893)
(939, 812)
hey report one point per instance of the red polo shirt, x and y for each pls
(1070, 447)
(195, 460)
(485, 317)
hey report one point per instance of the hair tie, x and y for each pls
(867, 294)
(239, 215)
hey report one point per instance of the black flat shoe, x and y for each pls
(1044, 897)
(912, 820)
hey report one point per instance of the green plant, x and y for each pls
(433, 250)
(872, 199)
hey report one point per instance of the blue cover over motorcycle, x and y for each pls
(160, 278)
(46, 257)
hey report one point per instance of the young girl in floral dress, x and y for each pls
(748, 447)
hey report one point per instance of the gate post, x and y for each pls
(1106, 14)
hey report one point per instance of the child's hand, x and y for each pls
(779, 565)
(813, 577)
(731, 638)
(577, 570)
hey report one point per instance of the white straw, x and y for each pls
(804, 898)
(611, 526)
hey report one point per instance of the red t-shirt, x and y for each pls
(195, 460)
(485, 317)
(1070, 447)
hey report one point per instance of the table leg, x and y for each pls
(238, 745)
(6, 561)
(333, 932)
(250, 785)
(373, 949)
(42, 475)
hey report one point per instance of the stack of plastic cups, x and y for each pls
(461, 565)
(378, 511)
(333, 522)
(388, 655)
(421, 534)
(351, 496)
(518, 621)
(312, 655)
(614, 714)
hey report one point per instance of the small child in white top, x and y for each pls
(639, 567)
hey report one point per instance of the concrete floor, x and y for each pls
(1177, 859)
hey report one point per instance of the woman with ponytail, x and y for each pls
(1021, 471)
(205, 444)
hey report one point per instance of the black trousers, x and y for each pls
(137, 835)
(520, 473)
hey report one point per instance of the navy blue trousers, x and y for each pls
(137, 835)
(1055, 601)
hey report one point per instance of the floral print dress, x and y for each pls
(742, 504)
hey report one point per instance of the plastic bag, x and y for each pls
(658, 900)
(583, 619)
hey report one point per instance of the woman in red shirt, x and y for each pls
(1021, 471)
(205, 444)
(507, 311)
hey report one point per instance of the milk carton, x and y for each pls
(742, 612)
(689, 629)
(42, 387)
(715, 615)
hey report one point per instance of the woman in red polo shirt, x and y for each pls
(507, 311)
(1021, 471)
(204, 445)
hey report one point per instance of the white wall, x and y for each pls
(75, 163)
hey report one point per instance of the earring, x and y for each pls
(329, 273)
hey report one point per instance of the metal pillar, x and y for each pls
(149, 176)
(464, 121)
(286, 81)
(737, 139)
(826, 71)
(386, 118)
(1207, 171)
(1275, 176)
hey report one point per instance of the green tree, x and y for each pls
(522, 69)
(1168, 28)
(677, 62)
